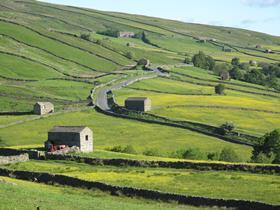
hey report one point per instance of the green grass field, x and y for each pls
(110, 132)
(189, 182)
(44, 58)
(14, 192)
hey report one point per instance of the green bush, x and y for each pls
(213, 156)
(229, 155)
(152, 152)
(130, 55)
(226, 128)
(203, 61)
(190, 154)
(220, 89)
(117, 149)
(129, 149)
(268, 145)
(263, 158)
(85, 37)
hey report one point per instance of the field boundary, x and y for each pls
(52, 179)
(187, 164)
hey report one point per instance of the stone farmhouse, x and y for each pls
(126, 34)
(42, 108)
(224, 75)
(142, 104)
(60, 137)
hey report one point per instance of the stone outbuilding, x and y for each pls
(126, 34)
(268, 51)
(42, 108)
(224, 75)
(60, 137)
(142, 104)
(253, 63)
(227, 49)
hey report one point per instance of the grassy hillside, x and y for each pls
(58, 53)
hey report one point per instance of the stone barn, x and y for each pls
(227, 49)
(142, 104)
(70, 136)
(126, 34)
(224, 75)
(42, 108)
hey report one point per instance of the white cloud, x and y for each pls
(261, 3)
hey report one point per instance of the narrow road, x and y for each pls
(101, 97)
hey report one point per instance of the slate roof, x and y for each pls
(44, 103)
(137, 99)
(67, 129)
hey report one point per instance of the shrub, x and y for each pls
(129, 149)
(235, 61)
(262, 158)
(187, 60)
(152, 152)
(117, 149)
(213, 156)
(110, 32)
(229, 155)
(85, 37)
(191, 154)
(129, 55)
(226, 128)
(220, 89)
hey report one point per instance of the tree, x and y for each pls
(235, 61)
(187, 60)
(203, 61)
(236, 73)
(226, 128)
(255, 76)
(229, 155)
(220, 89)
(129, 55)
(269, 145)
(85, 37)
(222, 67)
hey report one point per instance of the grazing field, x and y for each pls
(110, 132)
(188, 182)
(68, 56)
(252, 113)
(14, 192)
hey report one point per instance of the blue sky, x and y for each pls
(258, 15)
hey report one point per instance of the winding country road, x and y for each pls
(101, 95)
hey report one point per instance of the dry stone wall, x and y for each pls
(4, 160)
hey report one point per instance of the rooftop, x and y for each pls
(137, 99)
(44, 103)
(67, 129)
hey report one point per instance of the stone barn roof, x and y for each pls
(67, 129)
(44, 103)
(137, 99)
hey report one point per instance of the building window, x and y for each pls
(86, 137)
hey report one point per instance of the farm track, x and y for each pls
(57, 40)
(220, 81)
(234, 89)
